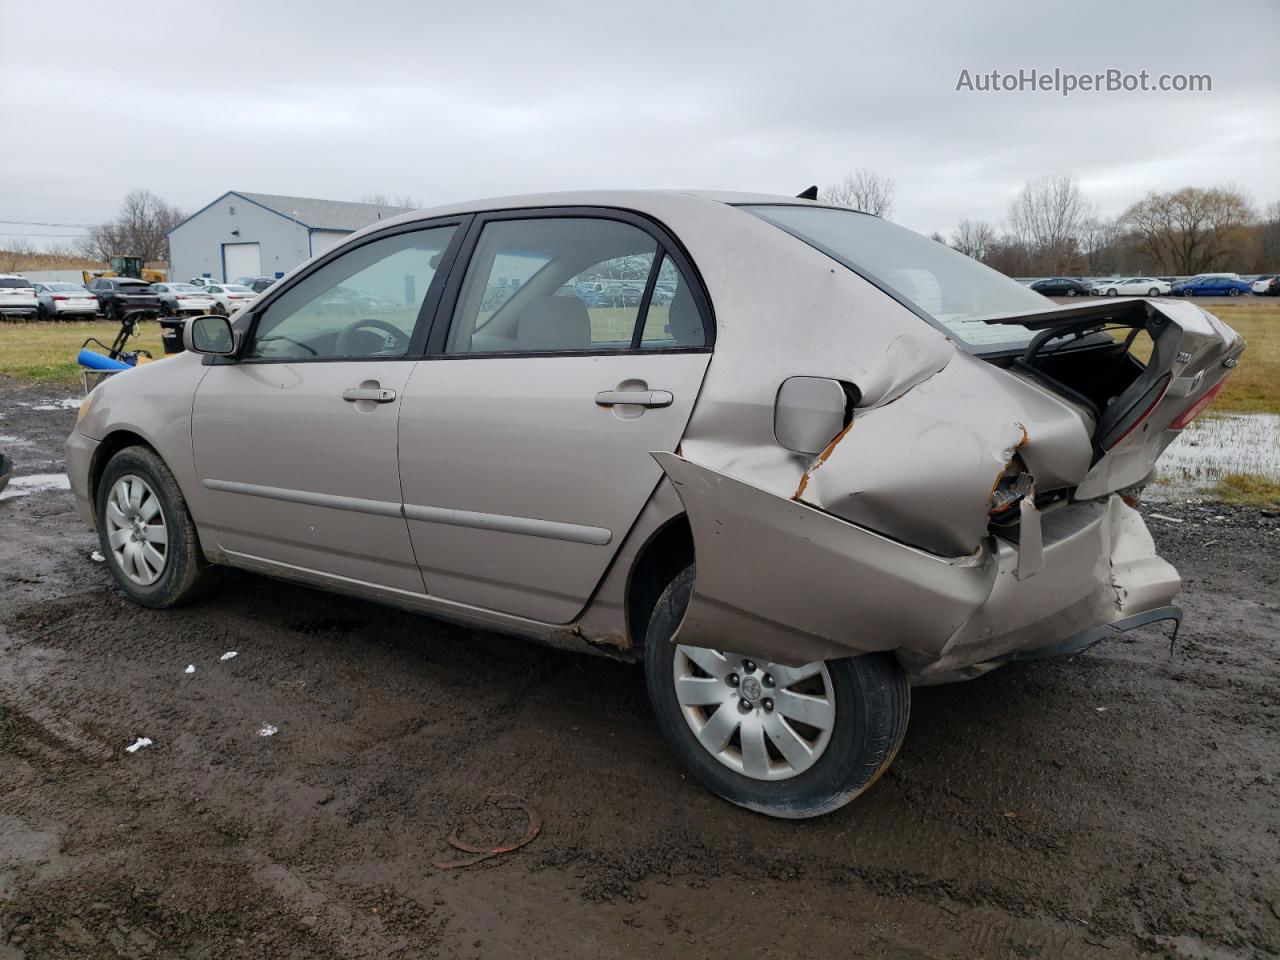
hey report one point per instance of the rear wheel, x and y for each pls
(148, 537)
(1071, 292)
(1153, 292)
(787, 741)
(109, 312)
(1188, 292)
(1233, 292)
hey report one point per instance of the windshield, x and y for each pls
(951, 290)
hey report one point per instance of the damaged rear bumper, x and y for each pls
(787, 582)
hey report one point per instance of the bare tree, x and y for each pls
(1048, 217)
(974, 238)
(1269, 237)
(863, 190)
(140, 230)
(1190, 230)
(400, 200)
(1100, 242)
(14, 256)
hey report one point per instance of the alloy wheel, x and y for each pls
(136, 530)
(766, 721)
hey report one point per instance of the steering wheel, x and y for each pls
(342, 348)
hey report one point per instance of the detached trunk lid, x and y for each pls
(1138, 404)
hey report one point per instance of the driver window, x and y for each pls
(365, 303)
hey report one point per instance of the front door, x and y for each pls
(576, 347)
(295, 444)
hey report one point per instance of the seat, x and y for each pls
(554, 323)
(684, 322)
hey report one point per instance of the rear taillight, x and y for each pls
(181, 296)
(61, 297)
(1197, 408)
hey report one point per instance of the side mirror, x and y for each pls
(209, 334)
(810, 412)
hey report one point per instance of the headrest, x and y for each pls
(684, 323)
(554, 323)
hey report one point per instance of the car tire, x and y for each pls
(1112, 292)
(1071, 292)
(869, 697)
(1153, 292)
(109, 312)
(181, 572)
(1233, 292)
(1188, 293)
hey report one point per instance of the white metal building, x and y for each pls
(260, 234)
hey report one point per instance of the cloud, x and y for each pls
(448, 101)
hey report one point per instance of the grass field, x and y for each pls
(46, 352)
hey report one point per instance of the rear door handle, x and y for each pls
(376, 394)
(641, 398)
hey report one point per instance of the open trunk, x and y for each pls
(1140, 369)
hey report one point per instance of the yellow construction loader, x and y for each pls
(126, 267)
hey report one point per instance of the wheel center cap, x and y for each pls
(751, 689)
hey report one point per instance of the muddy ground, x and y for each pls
(1121, 803)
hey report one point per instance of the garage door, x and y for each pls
(241, 260)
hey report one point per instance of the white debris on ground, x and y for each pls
(268, 730)
(97, 556)
(191, 668)
(35, 483)
(228, 655)
(61, 403)
(138, 744)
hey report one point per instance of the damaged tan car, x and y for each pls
(794, 457)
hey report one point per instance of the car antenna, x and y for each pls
(809, 193)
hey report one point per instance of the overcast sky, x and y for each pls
(449, 101)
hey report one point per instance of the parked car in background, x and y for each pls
(17, 296)
(1061, 287)
(1212, 285)
(1134, 287)
(230, 297)
(122, 296)
(256, 284)
(551, 470)
(59, 301)
(183, 299)
(1265, 285)
(203, 281)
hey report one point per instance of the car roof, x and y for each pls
(639, 200)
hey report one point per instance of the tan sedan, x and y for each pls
(892, 465)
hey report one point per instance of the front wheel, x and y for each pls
(109, 313)
(1188, 292)
(1153, 292)
(1112, 292)
(148, 537)
(1071, 292)
(787, 741)
(1233, 292)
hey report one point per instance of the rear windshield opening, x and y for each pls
(946, 288)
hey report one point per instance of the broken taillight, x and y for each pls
(1009, 491)
(1197, 408)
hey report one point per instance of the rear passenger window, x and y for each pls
(563, 284)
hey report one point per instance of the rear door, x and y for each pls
(295, 443)
(525, 434)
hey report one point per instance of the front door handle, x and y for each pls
(376, 394)
(641, 398)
